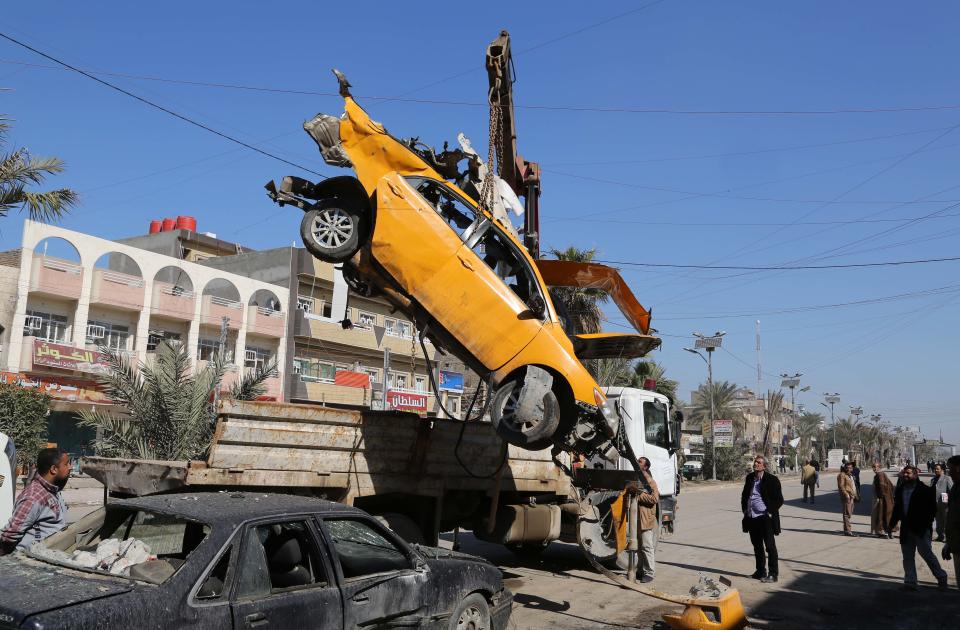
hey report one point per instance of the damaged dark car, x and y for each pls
(244, 560)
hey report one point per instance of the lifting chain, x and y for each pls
(489, 188)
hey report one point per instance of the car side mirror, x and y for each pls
(537, 306)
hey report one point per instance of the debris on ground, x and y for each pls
(111, 555)
(707, 587)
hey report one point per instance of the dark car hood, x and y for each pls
(437, 553)
(30, 587)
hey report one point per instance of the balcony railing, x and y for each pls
(177, 292)
(122, 278)
(62, 265)
(228, 303)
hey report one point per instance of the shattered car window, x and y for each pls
(143, 545)
(362, 550)
(496, 250)
(458, 214)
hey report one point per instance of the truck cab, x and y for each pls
(648, 423)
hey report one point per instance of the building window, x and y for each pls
(208, 347)
(106, 334)
(154, 337)
(326, 309)
(305, 304)
(420, 383)
(257, 358)
(453, 406)
(365, 320)
(373, 373)
(45, 326)
(398, 328)
(313, 371)
(397, 380)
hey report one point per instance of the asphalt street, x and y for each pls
(827, 580)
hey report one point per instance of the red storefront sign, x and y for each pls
(56, 387)
(347, 378)
(65, 357)
(404, 401)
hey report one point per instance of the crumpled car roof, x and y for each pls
(232, 507)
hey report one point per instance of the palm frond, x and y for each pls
(253, 383)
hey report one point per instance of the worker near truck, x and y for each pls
(649, 523)
(40, 510)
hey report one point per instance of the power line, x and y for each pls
(159, 107)
(755, 224)
(541, 107)
(889, 263)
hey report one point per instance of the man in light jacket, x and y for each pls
(648, 522)
(848, 495)
(808, 477)
(942, 485)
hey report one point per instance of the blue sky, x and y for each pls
(746, 189)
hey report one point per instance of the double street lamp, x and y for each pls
(709, 343)
(832, 399)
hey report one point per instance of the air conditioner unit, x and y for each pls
(32, 322)
(95, 331)
(250, 355)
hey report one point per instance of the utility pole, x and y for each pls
(709, 344)
(759, 377)
(832, 399)
(386, 372)
(792, 382)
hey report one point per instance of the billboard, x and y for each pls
(65, 357)
(723, 432)
(451, 381)
(405, 401)
(57, 387)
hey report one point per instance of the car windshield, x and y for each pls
(129, 542)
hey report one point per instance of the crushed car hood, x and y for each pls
(30, 587)
(438, 553)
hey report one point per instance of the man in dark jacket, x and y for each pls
(760, 502)
(915, 505)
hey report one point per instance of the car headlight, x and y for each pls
(609, 414)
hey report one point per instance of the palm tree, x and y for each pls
(848, 433)
(723, 397)
(646, 368)
(808, 428)
(771, 413)
(19, 169)
(613, 372)
(581, 306)
(168, 406)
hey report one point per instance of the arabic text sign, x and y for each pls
(67, 357)
(451, 381)
(407, 402)
(835, 458)
(723, 432)
(56, 387)
(724, 440)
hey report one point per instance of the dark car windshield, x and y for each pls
(129, 542)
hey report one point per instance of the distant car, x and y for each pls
(246, 560)
(402, 230)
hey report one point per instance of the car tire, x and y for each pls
(403, 526)
(473, 613)
(333, 231)
(529, 435)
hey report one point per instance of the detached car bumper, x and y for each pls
(500, 611)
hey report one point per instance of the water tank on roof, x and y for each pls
(168, 224)
(156, 226)
(187, 223)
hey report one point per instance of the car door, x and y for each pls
(284, 580)
(380, 578)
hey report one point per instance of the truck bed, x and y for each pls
(341, 453)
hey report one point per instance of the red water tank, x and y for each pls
(187, 223)
(168, 224)
(155, 226)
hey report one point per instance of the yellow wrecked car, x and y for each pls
(402, 230)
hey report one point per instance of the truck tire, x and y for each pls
(472, 613)
(532, 433)
(403, 526)
(334, 230)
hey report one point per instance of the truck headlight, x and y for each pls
(609, 414)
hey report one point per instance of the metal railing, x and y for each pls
(268, 312)
(176, 291)
(62, 265)
(122, 278)
(215, 299)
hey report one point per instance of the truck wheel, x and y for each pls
(403, 526)
(473, 613)
(527, 428)
(332, 232)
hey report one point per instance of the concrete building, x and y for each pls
(57, 309)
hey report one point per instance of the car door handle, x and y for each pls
(361, 599)
(255, 620)
(465, 263)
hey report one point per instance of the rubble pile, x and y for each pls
(111, 555)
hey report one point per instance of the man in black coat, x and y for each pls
(915, 506)
(760, 502)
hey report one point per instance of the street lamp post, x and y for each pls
(832, 399)
(792, 382)
(709, 344)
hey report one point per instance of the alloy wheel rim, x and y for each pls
(508, 414)
(471, 619)
(332, 228)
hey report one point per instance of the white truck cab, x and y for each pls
(653, 434)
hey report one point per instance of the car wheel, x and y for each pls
(403, 526)
(533, 431)
(473, 613)
(332, 231)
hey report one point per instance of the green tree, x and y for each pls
(730, 461)
(19, 170)
(808, 429)
(724, 408)
(772, 411)
(23, 417)
(581, 306)
(646, 368)
(168, 405)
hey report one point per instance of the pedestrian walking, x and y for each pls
(856, 477)
(816, 467)
(648, 521)
(848, 496)
(882, 503)
(760, 503)
(40, 509)
(915, 505)
(952, 528)
(808, 477)
(783, 465)
(942, 485)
